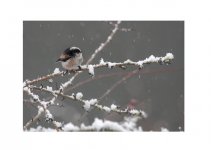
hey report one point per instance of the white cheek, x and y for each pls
(80, 58)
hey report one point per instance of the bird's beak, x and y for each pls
(58, 60)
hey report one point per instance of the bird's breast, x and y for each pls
(70, 64)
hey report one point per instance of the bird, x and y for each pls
(71, 58)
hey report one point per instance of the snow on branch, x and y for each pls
(87, 104)
(102, 45)
(129, 124)
(94, 103)
(42, 108)
(99, 49)
(152, 59)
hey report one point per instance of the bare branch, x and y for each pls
(100, 48)
(108, 91)
(102, 45)
(34, 119)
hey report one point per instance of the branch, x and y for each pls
(129, 124)
(152, 59)
(93, 102)
(42, 107)
(124, 74)
(58, 73)
(112, 88)
(100, 48)
(102, 45)
(108, 91)
(34, 119)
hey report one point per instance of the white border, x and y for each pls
(197, 72)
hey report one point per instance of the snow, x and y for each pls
(140, 64)
(40, 109)
(44, 104)
(102, 62)
(88, 103)
(113, 107)
(79, 95)
(48, 115)
(56, 70)
(129, 124)
(91, 70)
(58, 124)
(41, 129)
(66, 84)
(35, 96)
(107, 109)
(50, 80)
(128, 61)
(49, 88)
(70, 127)
(168, 56)
(151, 59)
(93, 101)
(164, 129)
(110, 64)
(134, 112)
(100, 124)
(143, 113)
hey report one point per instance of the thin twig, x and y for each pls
(95, 104)
(99, 49)
(108, 91)
(34, 119)
(102, 45)
(119, 74)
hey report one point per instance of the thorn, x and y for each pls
(160, 61)
(79, 68)
(65, 72)
(60, 91)
(74, 96)
(41, 86)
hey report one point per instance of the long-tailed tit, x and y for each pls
(71, 58)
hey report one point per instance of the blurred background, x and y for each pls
(156, 89)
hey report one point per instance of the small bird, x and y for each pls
(71, 58)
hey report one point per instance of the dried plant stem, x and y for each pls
(102, 45)
(108, 91)
(96, 105)
(100, 48)
(34, 119)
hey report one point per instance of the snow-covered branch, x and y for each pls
(87, 104)
(99, 49)
(152, 59)
(131, 115)
(42, 108)
(129, 124)
(102, 45)
(58, 73)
